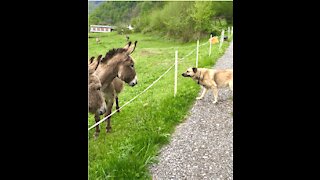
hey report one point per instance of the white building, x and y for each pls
(130, 27)
(101, 28)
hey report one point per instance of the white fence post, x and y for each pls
(221, 39)
(210, 45)
(229, 32)
(176, 74)
(197, 53)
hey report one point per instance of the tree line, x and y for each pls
(179, 20)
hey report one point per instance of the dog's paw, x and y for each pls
(199, 98)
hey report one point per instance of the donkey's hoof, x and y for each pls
(96, 135)
(118, 110)
(109, 130)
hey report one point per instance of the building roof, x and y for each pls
(101, 26)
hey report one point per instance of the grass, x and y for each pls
(142, 127)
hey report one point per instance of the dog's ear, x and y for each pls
(194, 70)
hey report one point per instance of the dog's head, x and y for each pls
(191, 72)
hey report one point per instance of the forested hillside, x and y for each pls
(183, 21)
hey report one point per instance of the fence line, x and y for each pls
(221, 39)
(210, 45)
(192, 51)
(176, 47)
(175, 73)
(188, 54)
(197, 55)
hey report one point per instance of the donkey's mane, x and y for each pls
(112, 53)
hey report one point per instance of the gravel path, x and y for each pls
(202, 146)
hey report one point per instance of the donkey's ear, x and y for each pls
(132, 48)
(98, 62)
(91, 59)
(99, 57)
(128, 45)
(94, 64)
(194, 70)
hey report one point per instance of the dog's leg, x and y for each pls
(215, 94)
(214, 84)
(203, 93)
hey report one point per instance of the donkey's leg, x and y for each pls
(117, 104)
(97, 119)
(109, 109)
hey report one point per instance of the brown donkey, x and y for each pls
(117, 83)
(116, 63)
(97, 105)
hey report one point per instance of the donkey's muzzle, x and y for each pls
(134, 81)
(101, 113)
(103, 109)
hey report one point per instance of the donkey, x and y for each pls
(97, 105)
(116, 63)
(117, 83)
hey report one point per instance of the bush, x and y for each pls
(122, 29)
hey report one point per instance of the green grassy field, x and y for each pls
(142, 127)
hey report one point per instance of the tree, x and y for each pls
(181, 20)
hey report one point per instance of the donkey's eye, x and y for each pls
(132, 65)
